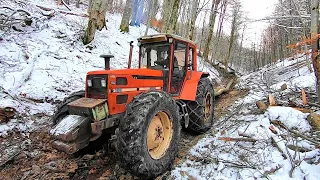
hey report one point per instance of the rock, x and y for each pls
(314, 121)
(284, 87)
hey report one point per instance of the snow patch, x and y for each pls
(289, 117)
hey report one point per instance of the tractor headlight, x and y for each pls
(89, 82)
(103, 83)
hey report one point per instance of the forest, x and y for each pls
(159, 89)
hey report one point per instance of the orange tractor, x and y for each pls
(144, 107)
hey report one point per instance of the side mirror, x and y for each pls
(106, 61)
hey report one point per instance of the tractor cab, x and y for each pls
(171, 54)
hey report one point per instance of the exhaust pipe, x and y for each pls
(106, 61)
(130, 55)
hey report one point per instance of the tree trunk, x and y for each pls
(174, 17)
(149, 20)
(194, 15)
(166, 15)
(232, 35)
(213, 15)
(315, 42)
(124, 26)
(78, 3)
(97, 14)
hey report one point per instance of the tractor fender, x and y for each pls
(189, 89)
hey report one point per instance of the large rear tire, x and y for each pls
(201, 110)
(149, 133)
(62, 108)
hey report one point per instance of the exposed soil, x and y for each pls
(34, 158)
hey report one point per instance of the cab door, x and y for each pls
(178, 64)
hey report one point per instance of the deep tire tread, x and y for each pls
(133, 127)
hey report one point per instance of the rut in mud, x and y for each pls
(37, 159)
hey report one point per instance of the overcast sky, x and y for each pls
(257, 9)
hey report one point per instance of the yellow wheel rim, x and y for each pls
(159, 135)
(207, 106)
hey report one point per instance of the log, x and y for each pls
(262, 106)
(272, 102)
(223, 90)
(237, 139)
(314, 121)
(304, 97)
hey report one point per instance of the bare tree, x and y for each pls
(315, 42)
(166, 14)
(174, 17)
(213, 15)
(97, 14)
(151, 8)
(194, 15)
(234, 26)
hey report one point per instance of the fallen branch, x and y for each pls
(278, 123)
(275, 144)
(62, 12)
(237, 139)
(313, 104)
(65, 4)
(271, 171)
(298, 148)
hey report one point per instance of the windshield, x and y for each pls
(155, 56)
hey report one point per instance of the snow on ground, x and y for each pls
(48, 61)
(214, 157)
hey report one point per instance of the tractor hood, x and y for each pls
(120, 86)
(138, 72)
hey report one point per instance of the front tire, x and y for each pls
(149, 133)
(201, 110)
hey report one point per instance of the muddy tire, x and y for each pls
(62, 108)
(201, 110)
(149, 134)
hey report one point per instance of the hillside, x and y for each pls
(248, 143)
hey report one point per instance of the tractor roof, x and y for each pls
(162, 37)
